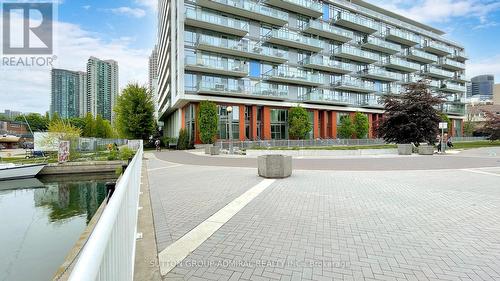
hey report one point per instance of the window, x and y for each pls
(224, 122)
(255, 69)
(189, 82)
(326, 11)
(279, 124)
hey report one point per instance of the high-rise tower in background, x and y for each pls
(68, 90)
(332, 57)
(102, 87)
(153, 68)
(482, 87)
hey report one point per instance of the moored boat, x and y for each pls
(12, 172)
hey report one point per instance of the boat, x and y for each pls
(11, 171)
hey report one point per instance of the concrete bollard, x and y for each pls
(405, 149)
(212, 150)
(426, 150)
(274, 166)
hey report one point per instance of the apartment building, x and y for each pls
(332, 57)
(68, 90)
(153, 69)
(102, 87)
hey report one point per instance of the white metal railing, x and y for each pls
(109, 253)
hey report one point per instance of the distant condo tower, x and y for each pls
(102, 87)
(68, 90)
(331, 57)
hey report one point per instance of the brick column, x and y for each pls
(254, 123)
(197, 139)
(370, 126)
(266, 119)
(183, 118)
(323, 130)
(333, 122)
(242, 123)
(316, 124)
(451, 131)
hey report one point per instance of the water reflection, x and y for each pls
(41, 220)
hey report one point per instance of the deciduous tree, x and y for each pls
(299, 125)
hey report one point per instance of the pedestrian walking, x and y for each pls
(158, 145)
(449, 142)
(438, 138)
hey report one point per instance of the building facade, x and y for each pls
(11, 114)
(332, 57)
(482, 87)
(496, 94)
(153, 69)
(68, 91)
(102, 87)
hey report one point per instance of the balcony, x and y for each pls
(212, 21)
(451, 64)
(435, 72)
(356, 22)
(247, 9)
(306, 7)
(401, 64)
(460, 56)
(411, 78)
(355, 54)
(377, 44)
(260, 91)
(293, 76)
(437, 48)
(402, 37)
(461, 78)
(380, 74)
(320, 62)
(355, 85)
(293, 39)
(241, 48)
(325, 96)
(453, 108)
(372, 101)
(421, 56)
(452, 88)
(216, 66)
(329, 31)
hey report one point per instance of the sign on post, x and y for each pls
(63, 152)
(443, 125)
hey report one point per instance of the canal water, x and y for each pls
(41, 220)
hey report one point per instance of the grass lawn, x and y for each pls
(475, 144)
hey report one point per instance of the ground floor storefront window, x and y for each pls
(224, 122)
(279, 124)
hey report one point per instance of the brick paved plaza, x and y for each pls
(333, 225)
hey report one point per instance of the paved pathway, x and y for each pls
(333, 225)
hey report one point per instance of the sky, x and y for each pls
(125, 30)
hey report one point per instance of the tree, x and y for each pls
(468, 128)
(63, 130)
(207, 121)
(4, 117)
(411, 117)
(55, 117)
(135, 113)
(184, 142)
(492, 125)
(298, 123)
(346, 128)
(36, 121)
(361, 125)
(78, 122)
(89, 128)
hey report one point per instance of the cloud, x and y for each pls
(486, 25)
(128, 11)
(86, 7)
(432, 11)
(150, 4)
(483, 66)
(28, 90)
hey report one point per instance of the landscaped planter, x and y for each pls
(212, 150)
(426, 150)
(405, 149)
(274, 166)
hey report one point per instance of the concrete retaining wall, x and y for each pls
(319, 152)
(81, 168)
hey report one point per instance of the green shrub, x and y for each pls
(207, 121)
(113, 155)
(126, 153)
(183, 142)
(298, 123)
(361, 125)
(346, 129)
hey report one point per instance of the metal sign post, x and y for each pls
(442, 126)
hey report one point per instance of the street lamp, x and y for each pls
(229, 110)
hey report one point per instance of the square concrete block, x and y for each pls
(405, 149)
(212, 150)
(426, 150)
(275, 166)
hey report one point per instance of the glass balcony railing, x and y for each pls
(327, 30)
(421, 56)
(356, 22)
(411, 78)
(382, 74)
(446, 62)
(433, 46)
(355, 53)
(254, 7)
(401, 64)
(217, 64)
(461, 55)
(381, 45)
(452, 87)
(216, 19)
(402, 36)
(293, 75)
(307, 4)
(372, 101)
(328, 96)
(453, 108)
(349, 83)
(437, 72)
(246, 48)
(238, 89)
(293, 39)
(324, 62)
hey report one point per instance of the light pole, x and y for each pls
(230, 117)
